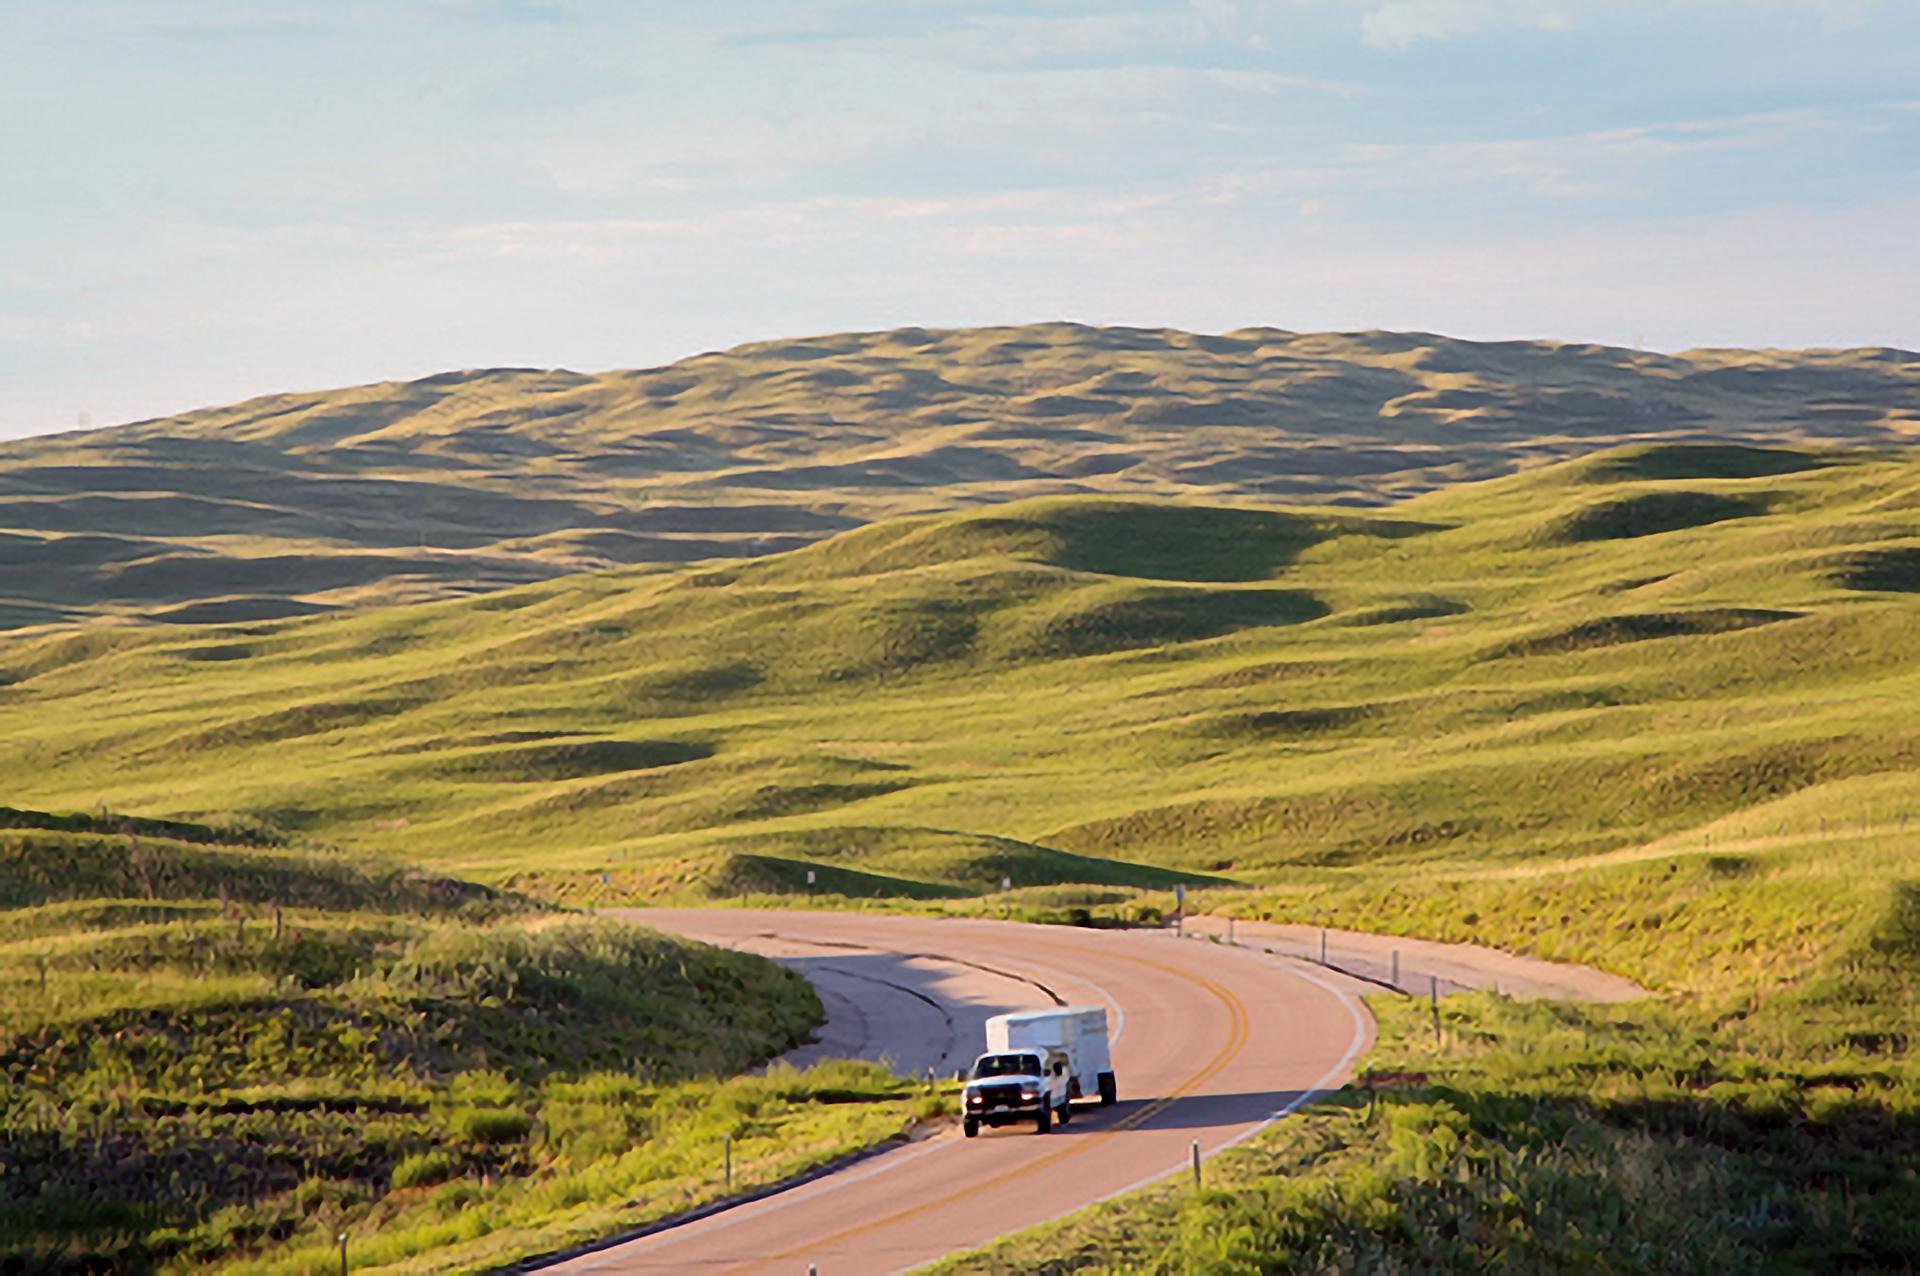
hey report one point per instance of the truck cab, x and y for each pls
(1007, 1087)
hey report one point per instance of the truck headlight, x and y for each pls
(1029, 1092)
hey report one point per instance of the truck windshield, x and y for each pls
(1007, 1065)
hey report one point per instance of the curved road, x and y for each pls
(1212, 1043)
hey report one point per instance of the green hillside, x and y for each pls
(1576, 661)
(1678, 663)
(221, 1050)
(1650, 709)
(472, 481)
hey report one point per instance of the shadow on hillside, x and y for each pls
(912, 1011)
(920, 1010)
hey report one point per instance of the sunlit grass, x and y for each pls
(1677, 747)
(218, 1055)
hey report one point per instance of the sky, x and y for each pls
(203, 200)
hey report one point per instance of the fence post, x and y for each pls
(729, 1163)
(1396, 970)
(343, 1254)
(1196, 1165)
(1323, 945)
(1433, 996)
(1229, 928)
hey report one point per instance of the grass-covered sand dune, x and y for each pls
(1651, 709)
(470, 481)
(1591, 664)
(217, 1050)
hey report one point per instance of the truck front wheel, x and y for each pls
(1066, 1111)
(1044, 1121)
(1109, 1091)
(970, 1127)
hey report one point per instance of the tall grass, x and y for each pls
(1537, 1138)
(196, 1078)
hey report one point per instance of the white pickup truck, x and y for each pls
(1037, 1063)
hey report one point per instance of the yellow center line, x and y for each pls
(1236, 1041)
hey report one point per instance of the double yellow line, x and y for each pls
(1236, 1042)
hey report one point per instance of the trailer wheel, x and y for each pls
(1109, 1091)
(970, 1127)
(1044, 1121)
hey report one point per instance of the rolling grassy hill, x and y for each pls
(1684, 668)
(1651, 709)
(220, 1050)
(472, 481)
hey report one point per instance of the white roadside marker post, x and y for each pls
(1196, 1165)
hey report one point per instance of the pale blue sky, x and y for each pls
(206, 199)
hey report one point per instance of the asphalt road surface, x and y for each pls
(1211, 1043)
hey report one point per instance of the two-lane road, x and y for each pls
(1212, 1043)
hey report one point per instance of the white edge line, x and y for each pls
(1318, 1088)
(832, 1182)
(699, 1228)
(1314, 1091)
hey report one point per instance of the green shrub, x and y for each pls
(492, 1125)
(424, 1169)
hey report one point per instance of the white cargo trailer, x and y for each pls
(1078, 1032)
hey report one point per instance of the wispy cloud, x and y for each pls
(237, 27)
(329, 188)
(1400, 24)
(37, 331)
(510, 11)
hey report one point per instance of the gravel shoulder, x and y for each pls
(1423, 965)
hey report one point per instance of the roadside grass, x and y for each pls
(1761, 1111)
(1537, 1137)
(569, 1163)
(222, 1055)
(1676, 747)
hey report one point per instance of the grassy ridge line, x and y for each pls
(1683, 753)
(1541, 719)
(220, 1056)
(1476, 691)
(473, 481)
